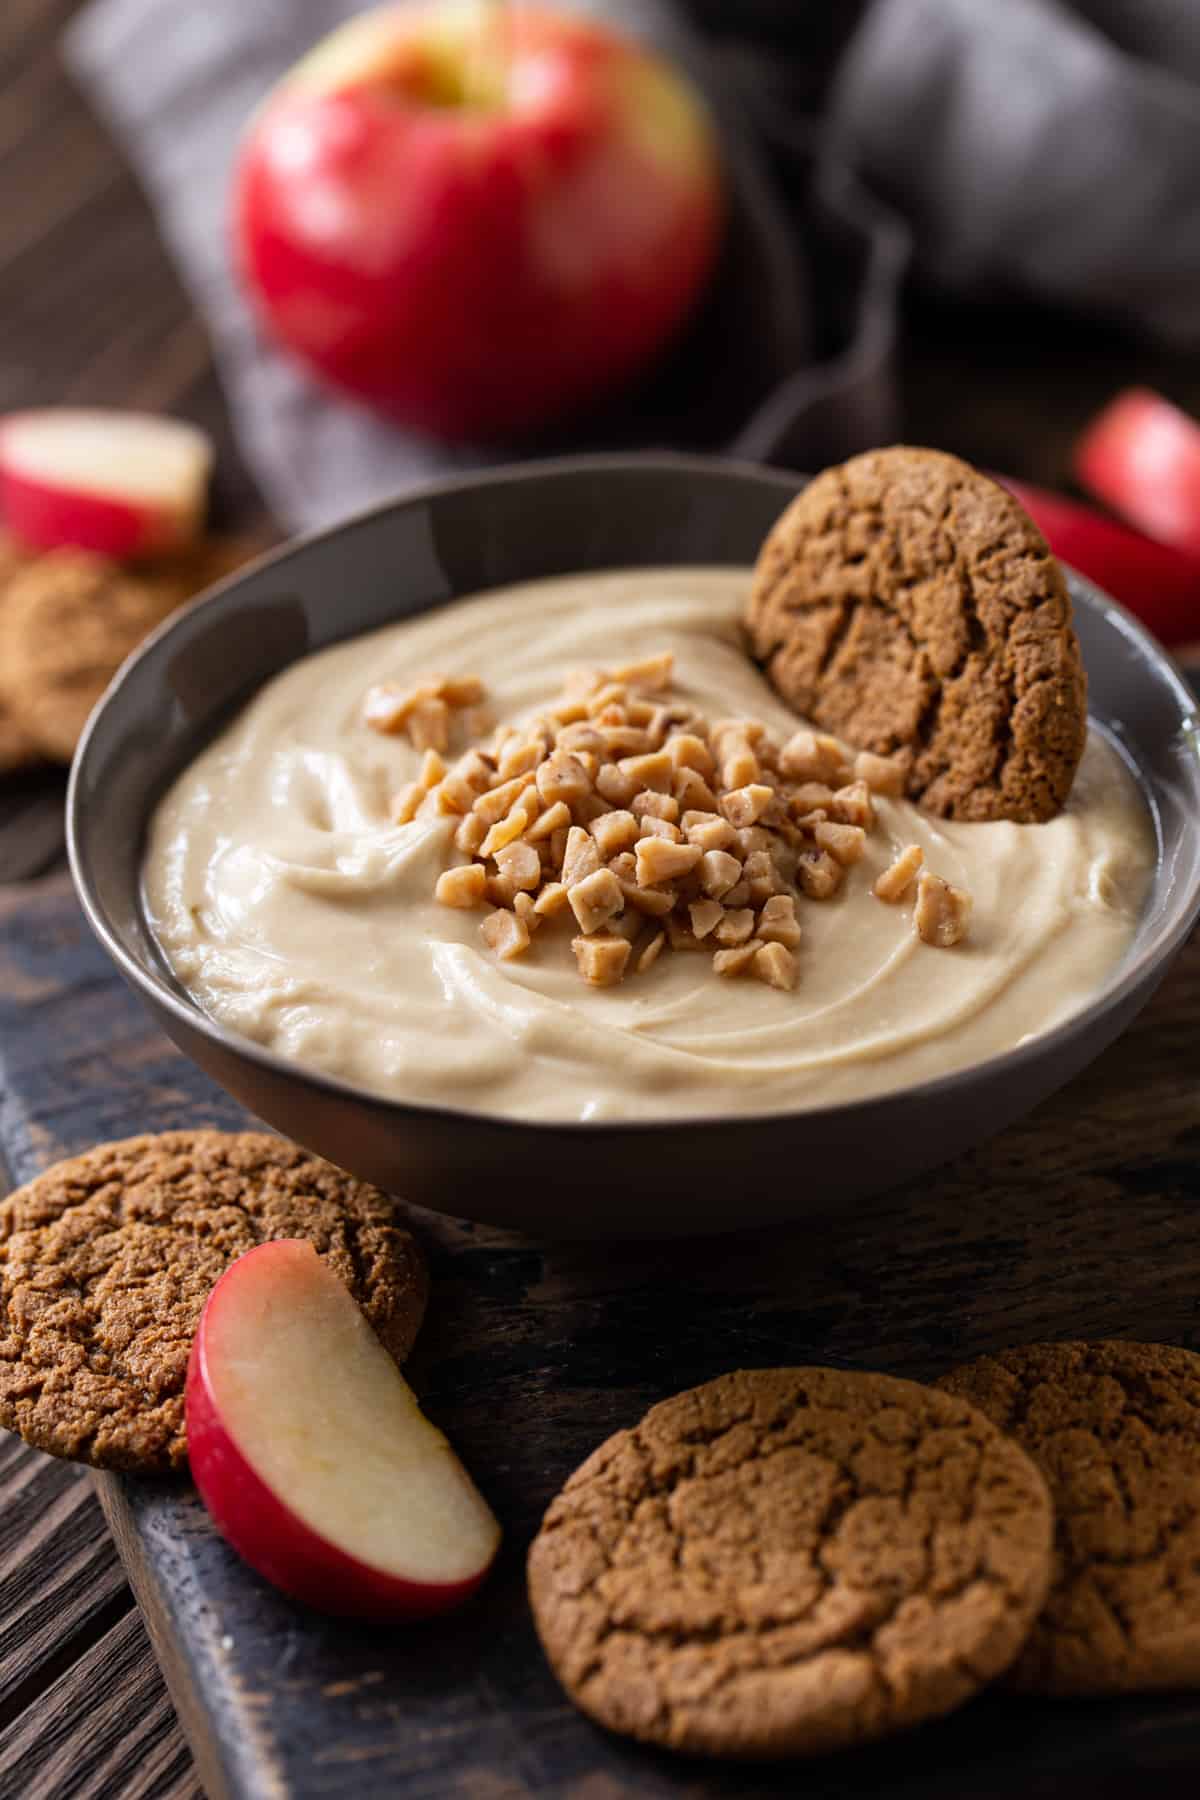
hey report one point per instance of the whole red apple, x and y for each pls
(477, 217)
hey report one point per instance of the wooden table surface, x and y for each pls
(90, 311)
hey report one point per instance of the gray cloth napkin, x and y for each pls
(1031, 148)
(1038, 148)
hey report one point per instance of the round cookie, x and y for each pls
(1115, 1428)
(787, 1561)
(69, 620)
(106, 1261)
(909, 604)
(13, 556)
(17, 748)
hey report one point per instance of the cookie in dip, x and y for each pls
(303, 876)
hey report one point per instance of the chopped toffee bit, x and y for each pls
(812, 756)
(881, 774)
(595, 899)
(504, 933)
(896, 880)
(817, 874)
(852, 805)
(660, 860)
(601, 959)
(521, 863)
(506, 831)
(581, 858)
(465, 886)
(652, 672)
(776, 966)
(422, 713)
(704, 915)
(526, 911)
(810, 797)
(433, 770)
(649, 804)
(652, 826)
(470, 833)
(845, 843)
(657, 902)
(651, 953)
(407, 804)
(710, 832)
(746, 805)
(553, 897)
(651, 829)
(614, 785)
(737, 961)
(719, 872)
(942, 913)
(778, 923)
(735, 927)
(614, 832)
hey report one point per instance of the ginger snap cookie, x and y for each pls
(909, 604)
(69, 620)
(17, 748)
(787, 1561)
(1115, 1428)
(106, 1261)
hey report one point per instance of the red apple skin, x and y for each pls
(267, 1534)
(1142, 456)
(474, 273)
(45, 518)
(77, 477)
(1160, 585)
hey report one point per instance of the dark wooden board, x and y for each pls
(1082, 1220)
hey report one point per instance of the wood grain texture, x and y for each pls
(48, 1524)
(1080, 1220)
(105, 1727)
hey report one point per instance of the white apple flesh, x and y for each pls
(311, 1452)
(128, 485)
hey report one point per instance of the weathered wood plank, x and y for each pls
(61, 1581)
(103, 1731)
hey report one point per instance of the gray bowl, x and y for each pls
(646, 1179)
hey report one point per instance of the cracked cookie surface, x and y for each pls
(106, 1261)
(1115, 1428)
(909, 604)
(69, 620)
(787, 1561)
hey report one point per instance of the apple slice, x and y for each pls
(125, 484)
(1142, 455)
(311, 1452)
(1159, 584)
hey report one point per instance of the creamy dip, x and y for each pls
(296, 913)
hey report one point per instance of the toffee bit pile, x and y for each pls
(428, 712)
(655, 830)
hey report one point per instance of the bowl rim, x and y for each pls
(1127, 980)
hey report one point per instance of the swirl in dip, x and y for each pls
(295, 912)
